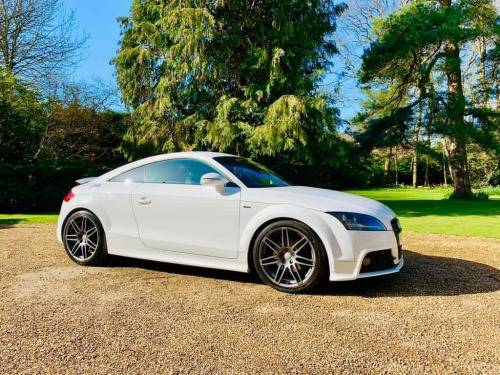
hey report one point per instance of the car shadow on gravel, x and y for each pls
(9, 223)
(122, 262)
(423, 275)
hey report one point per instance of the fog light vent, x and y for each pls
(378, 261)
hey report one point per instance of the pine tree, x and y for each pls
(425, 43)
(230, 75)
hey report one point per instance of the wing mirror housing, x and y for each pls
(213, 179)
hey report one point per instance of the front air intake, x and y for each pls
(378, 261)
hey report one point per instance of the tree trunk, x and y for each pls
(445, 174)
(387, 167)
(427, 162)
(414, 160)
(482, 74)
(396, 167)
(456, 116)
(446, 152)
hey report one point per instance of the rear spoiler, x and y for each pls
(82, 181)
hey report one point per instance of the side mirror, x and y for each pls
(213, 179)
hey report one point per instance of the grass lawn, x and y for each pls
(28, 218)
(427, 211)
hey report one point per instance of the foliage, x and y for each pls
(473, 196)
(46, 145)
(77, 132)
(347, 170)
(229, 75)
(22, 117)
(493, 192)
(483, 165)
(418, 57)
(423, 26)
(81, 125)
(41, 185)
(374, 174)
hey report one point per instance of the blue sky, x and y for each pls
(98, 18)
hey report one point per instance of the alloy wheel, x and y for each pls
(287, 257)
(82, 237)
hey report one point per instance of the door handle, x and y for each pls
(144, 201)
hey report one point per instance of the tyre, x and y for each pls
(289, 256)
(83, 238)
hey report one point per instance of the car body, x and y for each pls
(214, 221)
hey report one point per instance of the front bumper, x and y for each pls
(383, 249)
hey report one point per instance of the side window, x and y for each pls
(134, 175)
(177, 171)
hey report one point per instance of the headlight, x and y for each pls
(362, 222)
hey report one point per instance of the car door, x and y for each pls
(175, 213)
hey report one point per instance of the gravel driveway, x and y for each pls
(440, 315)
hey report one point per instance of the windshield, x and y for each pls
(251, 174)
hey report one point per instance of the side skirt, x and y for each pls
(133, 248)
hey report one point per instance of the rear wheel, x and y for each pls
(83, 238)
(289, 256)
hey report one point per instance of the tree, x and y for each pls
(426, 40)
(80, 124)
(37, 38)
(229, 75)
(355, 35)
(46, 144)
(22, 118)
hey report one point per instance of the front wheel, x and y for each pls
(83, 238)
(289, 256)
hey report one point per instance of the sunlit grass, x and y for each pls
(28, 218)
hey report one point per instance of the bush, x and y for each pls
(474, 196)
(42, 185)
(322, 176)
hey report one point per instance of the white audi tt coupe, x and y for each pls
(222, 211)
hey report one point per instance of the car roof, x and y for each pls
(195, 154)
(199, 155)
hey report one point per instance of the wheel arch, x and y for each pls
(68, 215)
(305, 216)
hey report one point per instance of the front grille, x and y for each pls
(379, 261)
